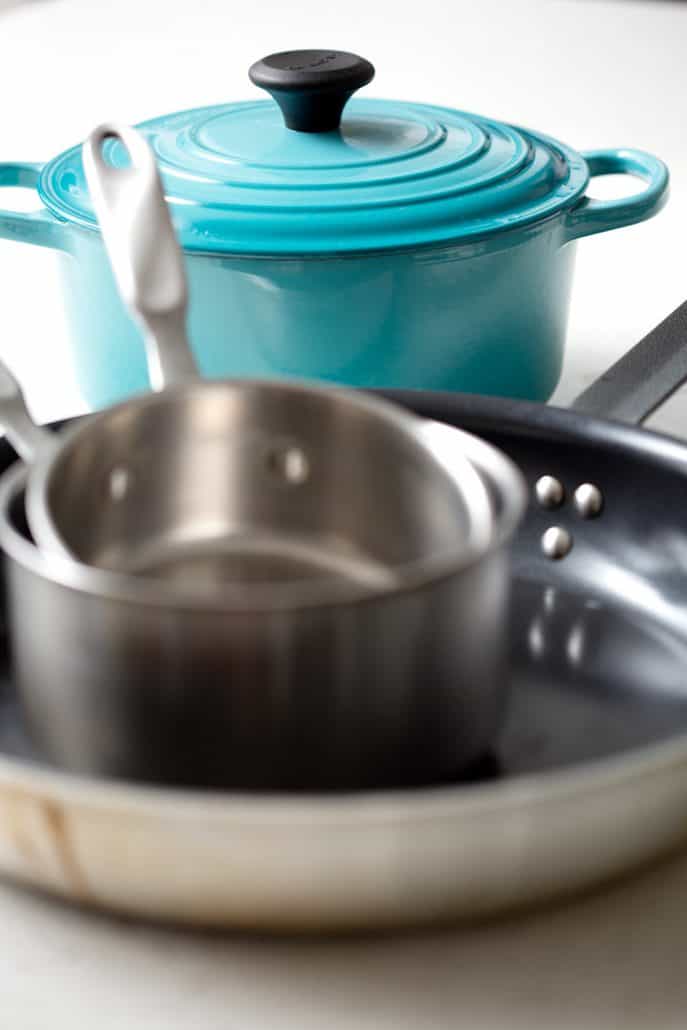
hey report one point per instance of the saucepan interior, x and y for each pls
(243, 481)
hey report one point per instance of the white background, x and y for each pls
(591, 73)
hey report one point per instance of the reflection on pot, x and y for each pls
(298, 317)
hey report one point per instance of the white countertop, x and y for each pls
(591, 73)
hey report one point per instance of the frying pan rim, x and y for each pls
(564, 424)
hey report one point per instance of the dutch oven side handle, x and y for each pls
(591, 216)
(38, 227)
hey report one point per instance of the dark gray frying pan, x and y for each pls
(589, 777)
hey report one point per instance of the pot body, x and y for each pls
(408, 687)
(481, 318)
(486, 315)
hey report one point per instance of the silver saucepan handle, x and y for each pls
(29, 440)
(142, 247)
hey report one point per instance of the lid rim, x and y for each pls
(437, 243)
(422, 194)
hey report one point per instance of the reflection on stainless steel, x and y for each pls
(664, 553)
(575, 643)
(536, 638)
(549, 492)
(556, 542)
(620, 670)
(644, 585)
(588, 500)
(551, 634)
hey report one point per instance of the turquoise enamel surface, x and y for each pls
(393, 176)
(481, 320)
(416, 247)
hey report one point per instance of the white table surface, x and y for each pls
(592, 73)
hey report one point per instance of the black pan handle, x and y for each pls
(645, 377)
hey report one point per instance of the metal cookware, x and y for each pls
(588, 778)
(404, 245)
(309, 580)
(313, 668)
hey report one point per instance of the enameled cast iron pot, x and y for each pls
(401, 245)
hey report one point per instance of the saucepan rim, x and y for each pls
(499, 473)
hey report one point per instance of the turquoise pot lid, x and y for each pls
(388, 174)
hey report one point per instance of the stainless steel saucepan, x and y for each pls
(305, 585)
(299, 685)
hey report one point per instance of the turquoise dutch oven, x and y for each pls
(389, 244)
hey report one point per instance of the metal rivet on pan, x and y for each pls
(556, 542)
(588, 500)
(549, 492)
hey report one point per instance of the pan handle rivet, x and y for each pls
(588, 500)
(556, 542)
(549, 492)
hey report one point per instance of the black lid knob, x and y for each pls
(312, 86)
